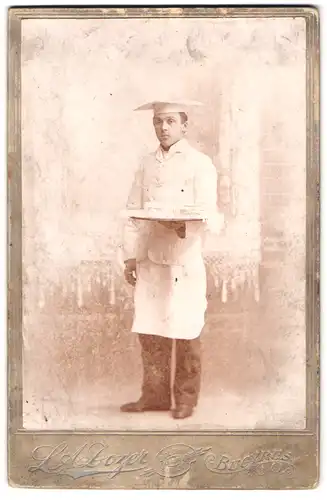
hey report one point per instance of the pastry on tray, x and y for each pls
(160, 211)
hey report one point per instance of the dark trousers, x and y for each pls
(157, 357)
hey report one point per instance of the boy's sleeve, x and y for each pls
(135, 232)
(205, 195)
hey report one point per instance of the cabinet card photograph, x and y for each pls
(163, 249)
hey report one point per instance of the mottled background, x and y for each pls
(81, 80)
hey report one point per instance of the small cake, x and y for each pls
(157, 209)
(166, 209)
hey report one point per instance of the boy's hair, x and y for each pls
(184, 116)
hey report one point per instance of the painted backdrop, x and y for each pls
(81, 80)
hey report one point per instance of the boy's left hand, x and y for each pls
(177, 226)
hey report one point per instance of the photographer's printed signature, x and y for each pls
(172, 461)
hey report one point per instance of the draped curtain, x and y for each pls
(233, 257)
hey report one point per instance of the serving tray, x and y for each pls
(165, 216)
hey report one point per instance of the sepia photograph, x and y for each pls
(163, 187)
(168, 252)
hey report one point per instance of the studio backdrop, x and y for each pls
(81, 145)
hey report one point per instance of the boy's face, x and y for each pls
(169, 128)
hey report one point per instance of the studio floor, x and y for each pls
(222, 411)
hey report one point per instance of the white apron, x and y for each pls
(170, 301)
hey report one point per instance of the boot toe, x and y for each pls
(141, 406)
(134, 407)
(182, 411)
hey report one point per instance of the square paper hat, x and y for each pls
(173, 106)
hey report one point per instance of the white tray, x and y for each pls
(159, 216)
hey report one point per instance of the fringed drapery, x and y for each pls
(234, 256)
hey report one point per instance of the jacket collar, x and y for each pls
(178, 147)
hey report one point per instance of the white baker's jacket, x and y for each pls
(171, 281)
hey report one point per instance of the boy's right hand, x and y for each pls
(130, 271)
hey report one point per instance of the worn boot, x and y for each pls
(142, 405)
(182, 411)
